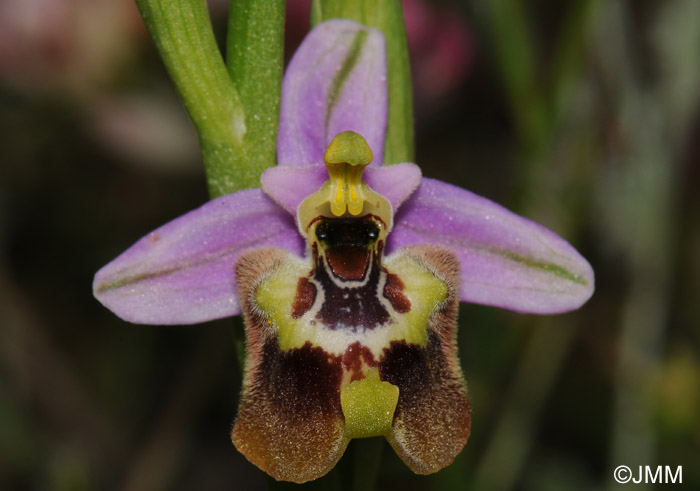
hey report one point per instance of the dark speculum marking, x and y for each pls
(393, 291)
(290, 423)
(351, 308)
(417, 370)
(304, 298)
(406, 366)
(302, 380)
(433, 417)
(353, 360)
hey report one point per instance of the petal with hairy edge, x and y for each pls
(335, 82)
(290, 185)
(290, 422)
(183, 272)
(506, 260)
(432, 420)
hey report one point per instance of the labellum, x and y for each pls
(349, 343)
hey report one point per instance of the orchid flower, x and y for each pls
(348, 274)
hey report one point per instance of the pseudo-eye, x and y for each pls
(349, 343)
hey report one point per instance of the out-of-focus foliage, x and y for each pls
(582, 115)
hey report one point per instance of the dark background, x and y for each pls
(582, 115)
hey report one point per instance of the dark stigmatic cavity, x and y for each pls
(348, 244)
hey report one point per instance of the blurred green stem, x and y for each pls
(387, 16)
(537, 102)
(536, 374)
(514, 52)
(638, 194)
(367, 457)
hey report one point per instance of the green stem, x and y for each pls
(254, 56)
(236, 126)
(537, 101)
(386, 15)
(571, 46)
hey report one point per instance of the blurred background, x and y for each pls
(582, 115)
